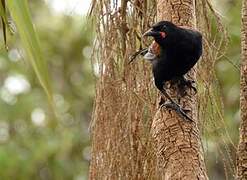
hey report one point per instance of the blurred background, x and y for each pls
(29, 147)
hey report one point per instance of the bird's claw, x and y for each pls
(191, 86)
(181, 112)
(188, 84)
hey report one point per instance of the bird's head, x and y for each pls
(161, 31)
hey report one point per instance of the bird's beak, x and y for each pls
(151, 32)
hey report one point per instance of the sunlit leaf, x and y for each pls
(20, 13)
(4, 20)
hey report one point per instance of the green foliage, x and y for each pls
(20, 13)
(29, 147)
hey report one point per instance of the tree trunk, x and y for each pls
(177, 141)
(242, 147)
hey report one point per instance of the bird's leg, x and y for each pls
(168, 96)
(173, 105)
(181, 112)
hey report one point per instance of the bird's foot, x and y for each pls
(191, 84)
(181, 112)
(187, 84)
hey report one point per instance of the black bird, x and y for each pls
(174, 52)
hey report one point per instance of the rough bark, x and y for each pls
(177, 142)
(242, 147)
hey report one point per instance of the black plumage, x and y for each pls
(179, 50)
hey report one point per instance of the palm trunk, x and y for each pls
(242, 147)
(177, 142)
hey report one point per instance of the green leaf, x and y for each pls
(2, 12)
(21, 16)
(4, 21)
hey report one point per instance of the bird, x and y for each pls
(174, 51)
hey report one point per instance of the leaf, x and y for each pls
(4, 21)
(21, 16)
